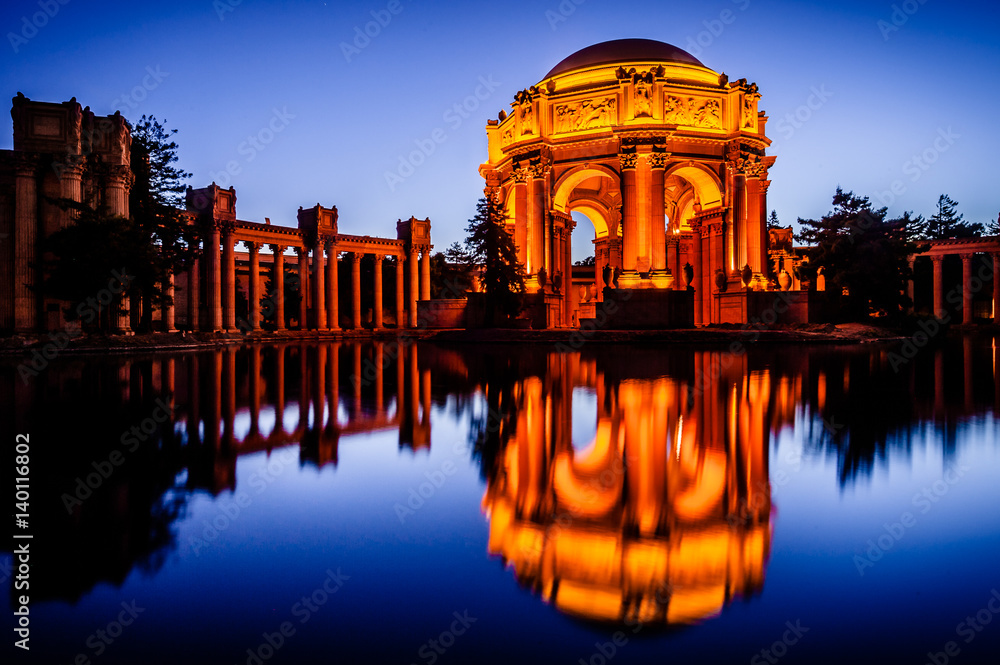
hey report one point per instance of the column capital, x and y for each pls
(658, 160)
(330, 244)
(936, 258)
(302, 251)
(379, 257)
(968, 256)
(356, 257)
(277, 249)
(627, 160)
(252, 247)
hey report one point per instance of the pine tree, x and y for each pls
(492, 247)
(864, 256)
(945, 223)
(772, 221)
(155, 203)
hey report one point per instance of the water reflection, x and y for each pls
(665, 516)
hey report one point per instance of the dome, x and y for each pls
(624, 50)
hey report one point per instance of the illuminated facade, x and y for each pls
(663, 155)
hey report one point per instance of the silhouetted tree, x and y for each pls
(863, 255)
(945, 223)
(155, 203)
(772, 221)
(589, 261)
(450, 273)
(490, 245)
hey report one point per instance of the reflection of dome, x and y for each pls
(624, 50)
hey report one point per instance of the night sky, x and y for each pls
(855, 92)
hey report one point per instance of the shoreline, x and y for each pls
(712, 335)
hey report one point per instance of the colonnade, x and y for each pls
(976, 275)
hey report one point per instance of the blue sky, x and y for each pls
(267, 98)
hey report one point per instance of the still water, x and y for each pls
(355, 503)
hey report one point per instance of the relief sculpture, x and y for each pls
(587, 114)
(693, 112)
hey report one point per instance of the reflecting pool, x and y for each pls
(412, 503)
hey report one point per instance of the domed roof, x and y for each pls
(624, 50)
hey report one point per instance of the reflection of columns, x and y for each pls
(193, 295)
(253, 288)
(26, 302)
(332, 287)
(278, 286)
(228, 281)
(379, 378)
(425, 398)
(357, 381)
(356, 290)
(656, 217)
(168, 306)
(630, 213)
(318, 289)
(279, 390)
(319, 396)
(938, 286)
(939, 384)
(377, 310)
(193, 400)
(967, 295)
(414, 288)
(400, 300)
(255, 379)
(229, 415)
(425, 274)
(334, 383)
(303, 266)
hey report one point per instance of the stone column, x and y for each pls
(278, 286)
(70, 178)
(996, 295)
(377, 310)
(356, 290)
(414, 288)
(910, 288)
(228, 281)
(698, 275)
(536, 221)
(213, 275)
(967, 294)
(303, 265)
(26, 302)
(425, 274)
(630, 212)
(332, 287)
(400, 289)
(318, 289)
(168, 306)
(938, 286)
(253, 290)
(657, 162)
(520, 211)
(673, 261)
(116, 197)
(193, 295)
